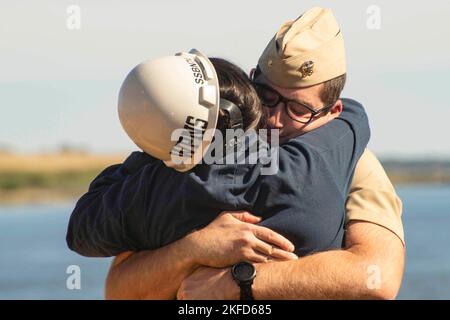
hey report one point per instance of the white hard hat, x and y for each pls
(162, 95)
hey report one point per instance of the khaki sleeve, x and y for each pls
(372, 197)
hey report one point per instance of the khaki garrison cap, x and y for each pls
(305, 52)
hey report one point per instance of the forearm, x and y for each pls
(328, 275)
(230, 238)
(155, 274)
(371, 267)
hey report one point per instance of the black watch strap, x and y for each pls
(246, 290)
(244, 273)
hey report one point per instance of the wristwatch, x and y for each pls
(244, 273)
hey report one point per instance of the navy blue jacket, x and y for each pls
(142, 204)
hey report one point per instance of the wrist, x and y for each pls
(192, 248)
(233, 290)
(257, 287)
(186, 253)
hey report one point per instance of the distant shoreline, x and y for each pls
(58, 177)
(37, 196)
(418, 171)
(64, 177)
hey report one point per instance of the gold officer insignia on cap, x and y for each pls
(307, 69)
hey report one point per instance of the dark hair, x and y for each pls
(236, 87)
(331, 90)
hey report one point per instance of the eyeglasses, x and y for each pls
(296, 110)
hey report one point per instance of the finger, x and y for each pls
(278, 253)
(257, 257)
(271, 237)
(245, 216)
(262, 247)
(273, 252)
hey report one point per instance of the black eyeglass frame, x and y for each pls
(285, 101)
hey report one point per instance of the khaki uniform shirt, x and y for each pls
(372, 197)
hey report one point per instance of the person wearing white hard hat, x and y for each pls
(164, 93)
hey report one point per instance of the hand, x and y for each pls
(209, 284)
(234, 237)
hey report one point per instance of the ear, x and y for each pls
(336, 110)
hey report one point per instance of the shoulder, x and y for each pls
(353, 111)
(369, 173)
(136, 160)
(372, 196)
(351, 102)
(328, 137)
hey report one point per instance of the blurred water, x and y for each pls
(426, 218)
(34, 257)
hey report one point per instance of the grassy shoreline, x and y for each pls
(49, 178)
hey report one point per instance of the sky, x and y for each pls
(59, 85)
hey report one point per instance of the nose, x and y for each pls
(274, 116)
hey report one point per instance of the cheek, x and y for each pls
(316, 124)
(295, 126)
(321, 121)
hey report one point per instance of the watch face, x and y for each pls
(244, 271)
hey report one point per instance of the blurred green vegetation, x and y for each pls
(418, 171)
(10, 181)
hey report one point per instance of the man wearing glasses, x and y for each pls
(299, 111)
(298, 77)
